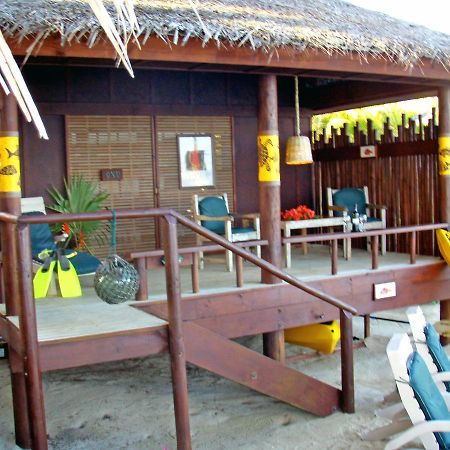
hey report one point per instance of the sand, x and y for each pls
(128, 405)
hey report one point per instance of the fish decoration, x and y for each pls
(8, 170)
(12, 154)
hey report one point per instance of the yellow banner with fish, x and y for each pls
(444, 155)
(9, 164)
(268, 158)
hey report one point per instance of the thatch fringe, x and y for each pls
(332, 26)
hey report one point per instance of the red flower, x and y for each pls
(301, 212)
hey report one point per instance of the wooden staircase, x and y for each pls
(224, 357)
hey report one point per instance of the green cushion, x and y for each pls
(347, 198)
(437, 353)
(428, 395)
(213, 206)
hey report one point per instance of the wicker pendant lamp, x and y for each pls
(298, 148)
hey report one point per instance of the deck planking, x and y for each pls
(81, 318)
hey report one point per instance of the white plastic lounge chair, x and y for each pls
(426, 406)
(427, 344)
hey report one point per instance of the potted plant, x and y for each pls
(80, 196)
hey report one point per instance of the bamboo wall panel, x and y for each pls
(407, 185)
(111, 142)
(404, 178)
(170, 193)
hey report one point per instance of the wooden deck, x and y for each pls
(78, 318)
(316, 265)
(90, 331)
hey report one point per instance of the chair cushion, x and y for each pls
(242, 230)
(213, 206)
(437, 353)
(428, 395)
(347, 198)
(84, 263)
(41, 236)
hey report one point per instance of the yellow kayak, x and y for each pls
(322, 337)
(443, 239)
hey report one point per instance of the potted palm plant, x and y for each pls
(80, 196)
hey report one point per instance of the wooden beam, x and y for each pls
(252, 311)
(384, 150)
(357, 94)
(77, 353)
(196, 52)
(247, 367)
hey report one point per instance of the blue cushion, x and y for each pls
(428, 395)
(347, 198)
(437, 353)
(41, 236)
(84, 262)
(213, 206)
(242, 230)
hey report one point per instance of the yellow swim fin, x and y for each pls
(43, 278)
(69, 284)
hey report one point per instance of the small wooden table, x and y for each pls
(288, 225)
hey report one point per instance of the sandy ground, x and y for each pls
(128, 405)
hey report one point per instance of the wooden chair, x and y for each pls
(213, 213)
(341, 201)
(427, 408)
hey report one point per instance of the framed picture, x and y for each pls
(196, 160)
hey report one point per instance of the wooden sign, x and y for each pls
(385, 290)
(368, 151)
(111, 174)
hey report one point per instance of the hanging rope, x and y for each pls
(297, 108)
(116, 280)
(113, 233)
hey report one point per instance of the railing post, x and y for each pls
(176, 341)
(334, 256)
(142, 293)
(366, 326)
(374, 247)
(28, 331)
(239, 271)
(195, 275)
(348, 382)
(413, 248)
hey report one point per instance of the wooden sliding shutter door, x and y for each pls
(170, 193)
(116, 142)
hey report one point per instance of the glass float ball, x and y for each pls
(116, 280)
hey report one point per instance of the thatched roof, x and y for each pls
(333, 26)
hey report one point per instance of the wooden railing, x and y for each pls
(170, 219)
(143, 261)
(374, 237)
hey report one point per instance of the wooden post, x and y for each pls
(195, 276)
(269, 194)
(348, 381)
(142, 293)
(176, 340)
(28, 331)
(444, 175)
(10, 193)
